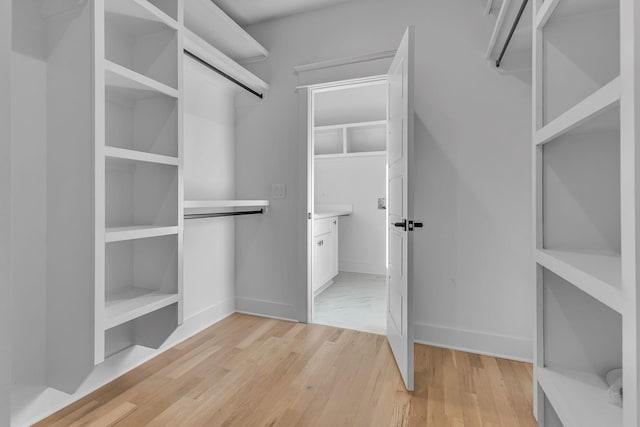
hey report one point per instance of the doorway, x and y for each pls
(348, 171)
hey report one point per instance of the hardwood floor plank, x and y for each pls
(251, 371)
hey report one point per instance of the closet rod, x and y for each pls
(222, 73)
(220, 214)
(513, 29)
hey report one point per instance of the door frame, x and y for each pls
(312, 91)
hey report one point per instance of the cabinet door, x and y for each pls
(335, 268)
(322, 260)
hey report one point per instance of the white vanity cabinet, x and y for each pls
(325, 253)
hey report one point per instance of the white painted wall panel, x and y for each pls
(29, 210)
(209, 157)
(5, 214)
(472, 157)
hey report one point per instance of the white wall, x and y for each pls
(209, 265)
(358, 181)
(471, 156)
(5, 217)
(29, 196)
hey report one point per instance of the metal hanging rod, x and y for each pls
(513, 29)
(223, 74)
(220, 214)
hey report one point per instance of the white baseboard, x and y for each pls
(274, 310)
(362, 267)
(31, 404)
(474, 342)
(322, 288)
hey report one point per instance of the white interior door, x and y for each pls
(399, 154)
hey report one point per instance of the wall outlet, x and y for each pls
(278, 191)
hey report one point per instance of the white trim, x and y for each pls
(363, 267)
(323, 288)
(502, 346)
(345, 84)
(49, 401)
(264, 308)
(284, 319)
(544, 13)
(344, 61)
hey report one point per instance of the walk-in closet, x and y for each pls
(320, 213)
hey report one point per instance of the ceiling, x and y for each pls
(246, 12)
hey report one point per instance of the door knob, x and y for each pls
(402, 224)
(415, 224)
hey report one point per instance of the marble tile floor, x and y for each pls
(355, 301)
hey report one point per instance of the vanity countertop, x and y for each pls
(329, 211)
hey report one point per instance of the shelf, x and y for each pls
(119, 234)
(132, 85)
(209, 22)
(204, 204)
(595, 274)
(552, 9)
(132, 303)
(594, 105)
(376, 123)
(140, 15)
(140, 156)
(579, 399)
(350, 155)
(205, 51)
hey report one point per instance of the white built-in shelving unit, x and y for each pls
(585, 180)
(138, 173)
(351, 139)
(114, 171)
(209, 22)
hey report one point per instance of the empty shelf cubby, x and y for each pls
(328, 141)
(582, 342)
(581, 48)
(141, 276)
(581, 187)
(150, 330)
(141, 41)
(367, 138)
(140, 118)
(140, 194)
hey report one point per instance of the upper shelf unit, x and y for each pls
(351, 139)
(205, 51)
(209, 22)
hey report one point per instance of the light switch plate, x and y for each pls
(278, 191)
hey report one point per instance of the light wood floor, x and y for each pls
(251, 371)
